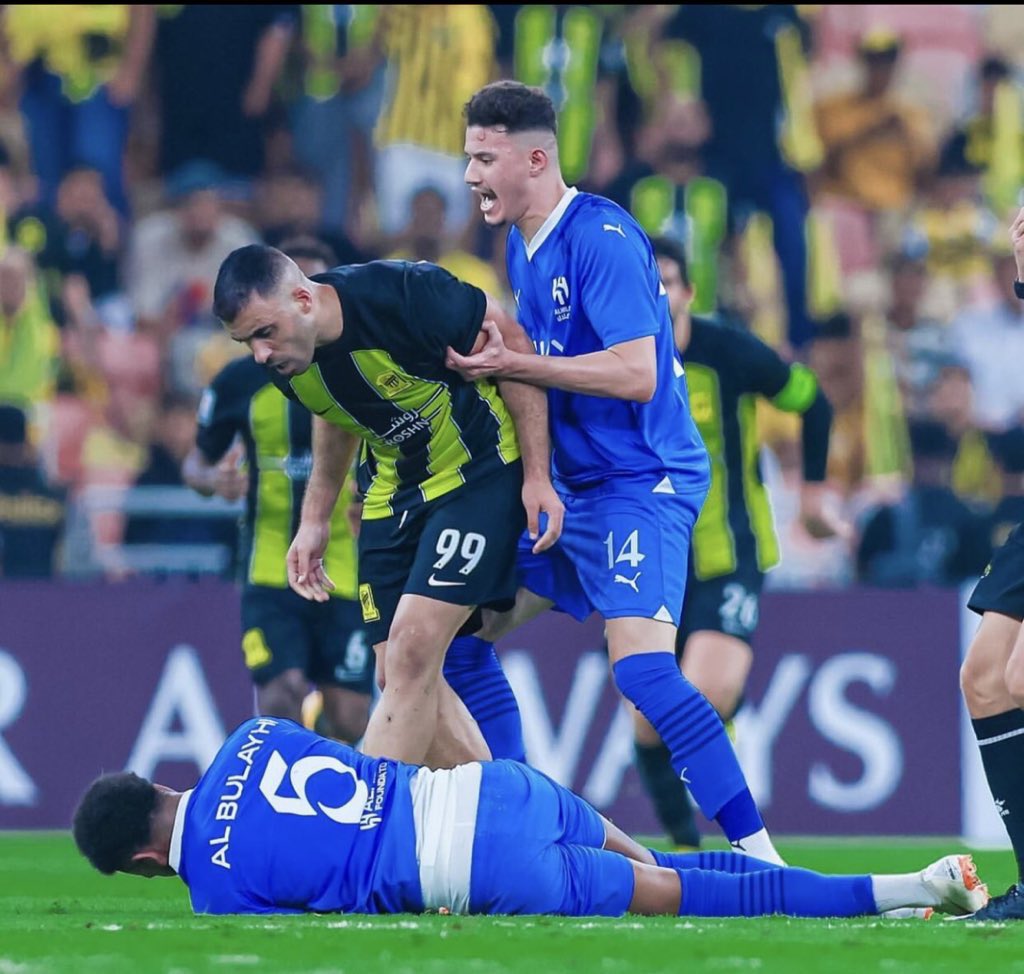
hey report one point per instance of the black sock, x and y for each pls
(668, 794)
(1001, 741)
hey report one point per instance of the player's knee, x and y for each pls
(1014, 680)
(981, 683)
(414, 655)
(283, 695)
(970, 677)
(722, 696)
(412, 667)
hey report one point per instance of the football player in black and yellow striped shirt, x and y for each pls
(734, 541)
(288, 642)
(455, 463)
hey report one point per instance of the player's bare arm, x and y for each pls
(624, 371)
(1017, 239)
(333, 451)
(528, 406)
(225, 478)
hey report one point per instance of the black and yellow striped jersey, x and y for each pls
(242, 399)
(726, 369)
(385, 380)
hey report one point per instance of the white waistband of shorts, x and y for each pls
(444, 805)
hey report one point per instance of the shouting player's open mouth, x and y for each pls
(487, 200)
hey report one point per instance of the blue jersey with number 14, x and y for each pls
(286, 821)
(587, 281)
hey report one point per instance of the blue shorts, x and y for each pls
(623, 553)
(538, 849)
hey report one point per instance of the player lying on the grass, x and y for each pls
(286, 821)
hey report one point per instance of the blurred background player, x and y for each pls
(288, 642)
(734, 540)
(928, 535)
(31, 511)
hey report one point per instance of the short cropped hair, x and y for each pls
(672, 250)
(513, 106)
(114, 820)
(255, 268)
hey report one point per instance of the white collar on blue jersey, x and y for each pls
(174, 855)
(551, 222)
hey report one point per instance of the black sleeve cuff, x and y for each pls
(817, 425)
(1018, 289)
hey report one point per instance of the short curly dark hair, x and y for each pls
(513, 106)
(114, 820)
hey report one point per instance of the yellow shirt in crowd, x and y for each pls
(875, 148)
(438, 56)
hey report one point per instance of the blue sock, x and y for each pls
(795, 892)
(701, 751)
(474, 672)
(721, 862)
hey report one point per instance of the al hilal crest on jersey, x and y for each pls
(587, 281)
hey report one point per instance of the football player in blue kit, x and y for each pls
(627, 459)
(286, 821)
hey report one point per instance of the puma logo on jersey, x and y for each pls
(631, 582)
(616, 228)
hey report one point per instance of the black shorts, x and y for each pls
(460, 549)
(326, 640)
(1001, 586)
(728, 604)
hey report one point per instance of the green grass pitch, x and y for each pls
(57, 915)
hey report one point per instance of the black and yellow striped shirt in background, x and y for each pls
(438, 56)
(242, 399)
(429, 432)
(727, 369)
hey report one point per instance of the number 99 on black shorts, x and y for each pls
(459, 548)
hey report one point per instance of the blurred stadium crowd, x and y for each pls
(842, 178)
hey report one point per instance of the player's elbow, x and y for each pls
(646, 391)
(644, 384)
